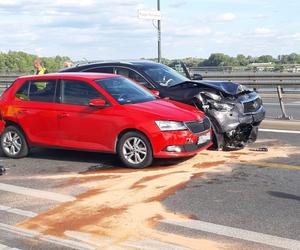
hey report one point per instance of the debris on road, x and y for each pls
(262, 149)
(2, 170)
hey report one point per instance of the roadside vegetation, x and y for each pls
(21, 62)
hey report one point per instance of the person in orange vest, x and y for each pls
(39, 67)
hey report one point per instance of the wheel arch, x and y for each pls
(9, 122)
(123, 132)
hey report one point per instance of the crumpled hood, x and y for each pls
(166, 110)
(227, 87)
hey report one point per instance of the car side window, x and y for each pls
(37, 91)
(134, 76)
(78, 92)
(22, 92)
(101, 70)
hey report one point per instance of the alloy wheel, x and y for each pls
(134, 150)
(12, 143)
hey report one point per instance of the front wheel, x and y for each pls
(13, 143)
(135, 150)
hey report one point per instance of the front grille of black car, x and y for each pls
(198, 126)
(252, 106)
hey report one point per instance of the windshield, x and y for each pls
(124, 91)
(164, 75)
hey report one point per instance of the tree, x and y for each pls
(21, 62)
(266, 59)
(218, 59)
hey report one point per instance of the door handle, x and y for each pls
(63, 115)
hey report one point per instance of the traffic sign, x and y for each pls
(149, 14)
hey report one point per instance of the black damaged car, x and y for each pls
(234, 110)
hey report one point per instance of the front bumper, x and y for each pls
(230, 120)
(185, 140)
(235, 129)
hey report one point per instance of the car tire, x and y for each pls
(134, 150)
(13, 143)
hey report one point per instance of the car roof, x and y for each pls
(79, 75)
(94, 64)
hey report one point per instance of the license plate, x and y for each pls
(203, 139)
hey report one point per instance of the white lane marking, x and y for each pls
(279, 131)
(19, 231)
(150, 244)
(102, 242)
(36, 193)
(237, 233)
(17, 211)
(277, 104)
(105, 242)
(46, 238)
(3, 247)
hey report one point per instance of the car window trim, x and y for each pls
(62, 92)
(88, 70)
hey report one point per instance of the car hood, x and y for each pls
(227, 87)
(166, 110)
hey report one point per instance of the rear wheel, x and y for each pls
(135, 150)
(13, 143)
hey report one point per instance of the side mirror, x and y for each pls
(154, 92)
(197, 77)
(98, 103)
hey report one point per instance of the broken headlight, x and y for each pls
(221, 106)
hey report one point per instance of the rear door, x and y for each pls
(36, 111)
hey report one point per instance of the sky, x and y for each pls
(110, 29)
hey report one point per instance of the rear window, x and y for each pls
(38, 91)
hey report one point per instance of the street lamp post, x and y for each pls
(154, 15)
(159, 34)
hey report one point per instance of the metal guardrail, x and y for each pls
(7, 79)
(252, 79)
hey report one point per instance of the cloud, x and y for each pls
(296, 36)
(177, 4)
(110, 28)
(263, 32)
(225, 17)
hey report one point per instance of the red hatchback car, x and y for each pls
(99, 112)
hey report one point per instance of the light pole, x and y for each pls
(159, 34)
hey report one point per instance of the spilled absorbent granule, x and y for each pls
(124, 204)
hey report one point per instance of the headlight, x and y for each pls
(222, 106)
(170, 125)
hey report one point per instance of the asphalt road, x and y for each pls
(262, 199)
(256, 198)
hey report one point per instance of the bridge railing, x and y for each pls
(256, 80)
(251, 79)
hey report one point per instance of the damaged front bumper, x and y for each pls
(234, 129)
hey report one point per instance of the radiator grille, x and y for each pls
(198, 126)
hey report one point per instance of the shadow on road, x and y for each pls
(101, 161)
